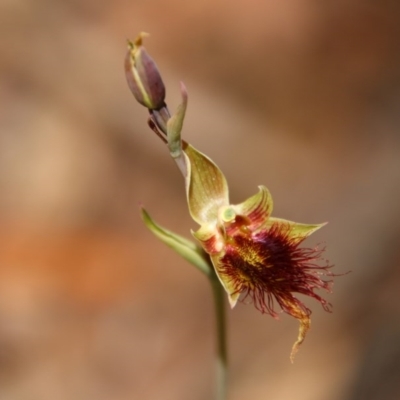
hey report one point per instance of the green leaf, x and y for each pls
(189, 250)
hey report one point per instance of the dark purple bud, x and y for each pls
(143, 76)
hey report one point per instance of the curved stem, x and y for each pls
(221, 350)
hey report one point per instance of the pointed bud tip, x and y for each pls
(138, 42)
(139, 39)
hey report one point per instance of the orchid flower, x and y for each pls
(255, 256)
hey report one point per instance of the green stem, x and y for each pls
(222, 354)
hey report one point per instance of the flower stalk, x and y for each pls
(222, 351)
(195, 255)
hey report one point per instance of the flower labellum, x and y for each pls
(255, 256)
(144, 79)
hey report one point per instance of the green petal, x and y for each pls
(297, 232)
(210, 238)
(189, 250)
(257, 208)
(206, 186)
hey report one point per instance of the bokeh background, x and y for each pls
(300, 95)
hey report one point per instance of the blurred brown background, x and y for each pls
(302, 96)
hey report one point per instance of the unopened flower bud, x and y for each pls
(143, 76)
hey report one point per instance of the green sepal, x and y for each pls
(187, 249)
(227, 282)
(206, 186)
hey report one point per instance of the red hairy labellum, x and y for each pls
(268, 265)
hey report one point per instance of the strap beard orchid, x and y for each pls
(245, 252)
